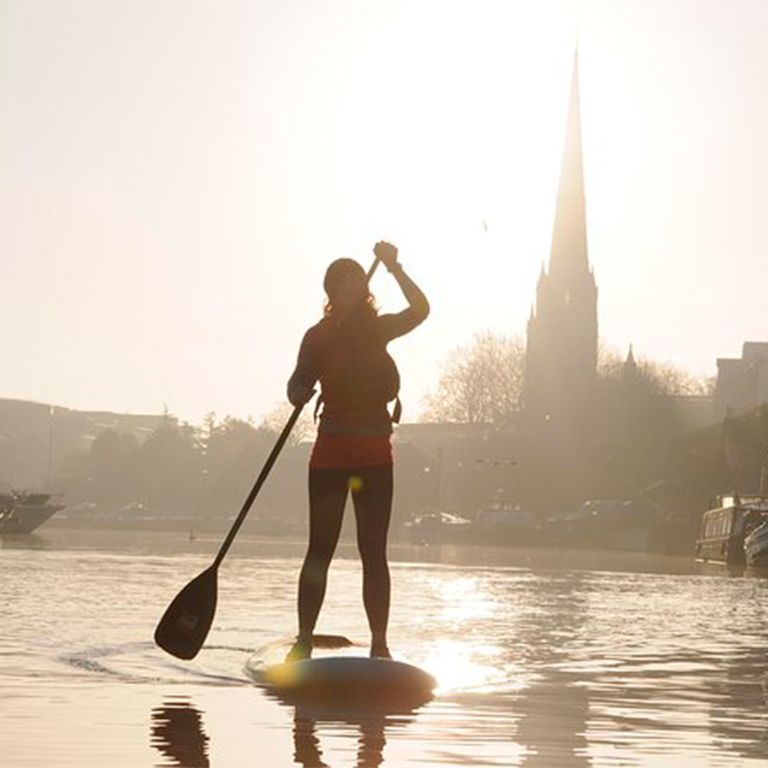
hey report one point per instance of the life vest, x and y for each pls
(358, 374)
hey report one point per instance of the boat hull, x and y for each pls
(25, 518)
(756, 547)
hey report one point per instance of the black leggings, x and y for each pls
(372, 498)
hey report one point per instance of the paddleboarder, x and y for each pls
(347, 353)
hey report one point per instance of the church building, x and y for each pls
(561, 354)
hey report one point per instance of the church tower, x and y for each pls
(561, 354)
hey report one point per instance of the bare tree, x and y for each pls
(277, 418)
(481, 382)
(675, 381)
(653, 377)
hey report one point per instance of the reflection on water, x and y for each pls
(24, 541)
(307, 745)
(537, 665)
(177, 733)
(306, 750)
(556, 697)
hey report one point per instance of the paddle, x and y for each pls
(187, 620)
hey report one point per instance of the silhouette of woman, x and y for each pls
(347, 352)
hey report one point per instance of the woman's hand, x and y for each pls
(386, 253)
(298, 393)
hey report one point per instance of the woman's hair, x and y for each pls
(335, 273)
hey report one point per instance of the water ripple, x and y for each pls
(537, 668)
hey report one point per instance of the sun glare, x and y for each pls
(465, 658)
(460, 666)
(462, 600)
(464, 150)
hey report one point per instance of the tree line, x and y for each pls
(180, 469)
(636, 438)
(483, 381)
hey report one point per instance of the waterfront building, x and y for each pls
(742, 382)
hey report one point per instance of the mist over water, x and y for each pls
(543, 659)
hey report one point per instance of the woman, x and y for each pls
(346, 352)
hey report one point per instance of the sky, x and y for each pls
(175, 177)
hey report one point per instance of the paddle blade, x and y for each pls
(331, 641)
(186, 621)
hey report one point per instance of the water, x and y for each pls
(544, 659)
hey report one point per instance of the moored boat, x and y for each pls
(22, 512)
(756, 546)
(435, 525)
(726, 527)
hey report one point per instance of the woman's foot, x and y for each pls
(301, 649)
(379, 650)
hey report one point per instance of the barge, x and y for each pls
(726, 527)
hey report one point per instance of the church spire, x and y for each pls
(561, 354)
(629, 369)
(568, 256)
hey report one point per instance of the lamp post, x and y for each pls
(51, 412)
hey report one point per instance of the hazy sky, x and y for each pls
(175, 176)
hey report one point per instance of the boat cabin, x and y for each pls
(724, 528)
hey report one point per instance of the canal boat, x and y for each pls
(725, 528)
(756, 546)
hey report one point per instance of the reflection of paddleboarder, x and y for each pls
(371, 743)
(347, 352)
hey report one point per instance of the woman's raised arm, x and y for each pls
(417, 311)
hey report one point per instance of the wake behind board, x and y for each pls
(336, 679)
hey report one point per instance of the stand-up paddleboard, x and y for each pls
(339, 678)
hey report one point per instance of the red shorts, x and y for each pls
(349, 451)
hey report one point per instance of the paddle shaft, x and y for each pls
(267, 468)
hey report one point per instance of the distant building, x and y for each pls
(457, 467)
(693, 411)
(561, 353)
(36, 437)
(742, 383)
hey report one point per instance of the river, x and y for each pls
(544, 658)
